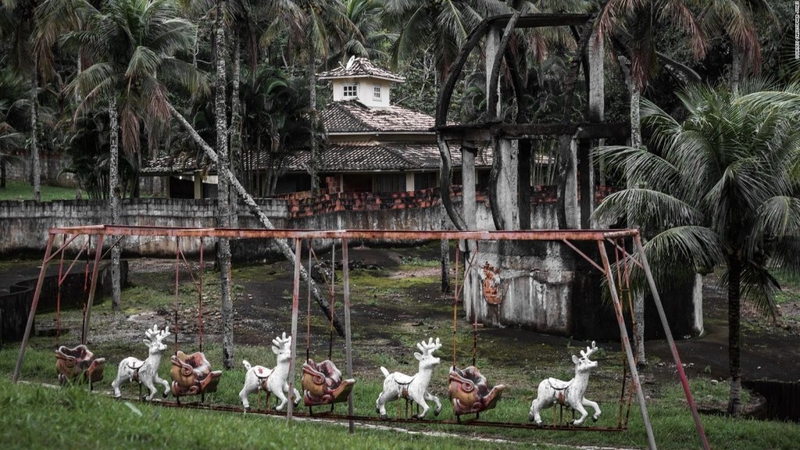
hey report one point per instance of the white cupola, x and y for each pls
(362, 81)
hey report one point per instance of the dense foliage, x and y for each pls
(61, 60)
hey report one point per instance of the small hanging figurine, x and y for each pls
(145, 372)
(570, 393)
(398, 385)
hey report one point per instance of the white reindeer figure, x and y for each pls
(552, 391)
(271, 380)
(144, 372)
(398, 385)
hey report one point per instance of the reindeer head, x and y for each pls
(282, 347)
(584, 364)
(155, 339)
(426, 358)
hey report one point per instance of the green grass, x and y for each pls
(20, 190)
(37, 417)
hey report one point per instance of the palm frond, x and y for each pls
(646, 206)
(698, 245)
(778, 217)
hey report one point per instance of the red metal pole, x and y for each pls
(672, 347)
(200, 298)
(626, 343)
(34, 303)
(295, 307)
(347, 335)
(98, 252)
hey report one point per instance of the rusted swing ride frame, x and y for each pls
(567, 237)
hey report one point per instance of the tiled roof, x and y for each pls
(376, 156)
(354, 117)
(359, 68)
(182, 163)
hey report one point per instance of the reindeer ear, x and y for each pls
(575, 359)
(418, 355)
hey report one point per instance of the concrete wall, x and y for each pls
(25, 225)
(52, 169)
(545, 286)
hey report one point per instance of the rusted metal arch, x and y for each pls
(599, 236)
(445, 132)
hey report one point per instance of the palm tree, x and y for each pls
(368, 37)
(736, 18)
(720, 188)
(11, 140)
(324, 24)
(632, 28)
(132, 44)
(17, 21)
(442, 26)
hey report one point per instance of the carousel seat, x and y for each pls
(192, 375)
(323, 384)
(469, 392)
(72, 362)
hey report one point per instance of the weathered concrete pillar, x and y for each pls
(525, 153)
(571, 207)
(507, 184)
(595, 59)
(468, 201)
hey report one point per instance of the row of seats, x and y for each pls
(192, 375)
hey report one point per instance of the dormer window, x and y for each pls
(349, 90)
(376, 93)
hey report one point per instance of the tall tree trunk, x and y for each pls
(734, 279)
(113, 199)
(259, 214)
(36, 167)
(312, 107)
(223, 195)
(235, 132)
(634, 91)
(737, 58)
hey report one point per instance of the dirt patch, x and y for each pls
(768, 349)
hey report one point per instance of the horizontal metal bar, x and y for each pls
(332, 416)
(233, 233)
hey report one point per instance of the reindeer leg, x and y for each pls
(243, 396)
(295, 397)
(123, 375)
(121, 378)
(579, 407)
(420, 400)
(534, 414)
(282, 397)
(434, 399)
(295, 394)
(162, 382)
(380, 404)
(148, 383)
(425, 409)
(594, 406)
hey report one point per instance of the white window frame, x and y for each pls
(376, 93)
(350, 90)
